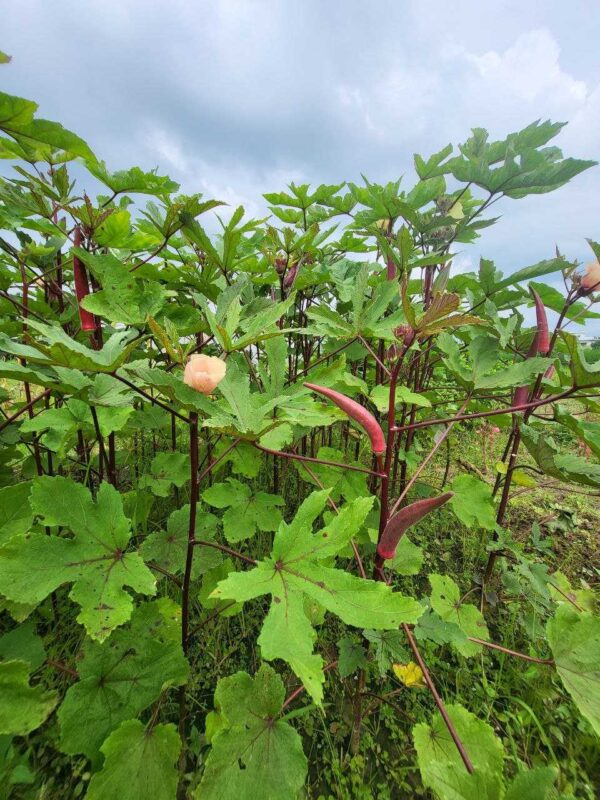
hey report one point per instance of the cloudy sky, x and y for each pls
(237, 97)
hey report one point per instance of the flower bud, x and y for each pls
(280, 265)
(406, 333)
(204, 373)
(392, 353)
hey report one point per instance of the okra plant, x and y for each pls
(213, 423)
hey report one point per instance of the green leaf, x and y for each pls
(295, 570)
(566, 467)
(24, 708)
(61, 349)
(173, 387)
(473, 503)
(16, 515)
(94, 560)
(167, 469)
(441, 766)
(390, 648)
(245, 459)
(16, 119)
(534, 271)
(138, 763)
(532, 784)
(519, 374)
(574, 639)
(380, 396)
(351, 655)
(24, 644)
(408, 559)
(256, 754)
(235, 388)
(246, 513)
(277, 438)
(445, 601)
(211, 579)
(122, 677)
(168, 548)
(124, 297)
(133, 180)
(584, 374)
(435, 629)
(348, 484)
(588, 432)
(432, 167)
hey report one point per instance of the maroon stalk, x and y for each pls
(189, 560)
(438, 700)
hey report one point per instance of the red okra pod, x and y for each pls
(82, 288)
(407, 516)
(356, 412)
(542, 337)
(290, 277)
(520, 397)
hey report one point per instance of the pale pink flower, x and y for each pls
(204, 373)
(591, 278)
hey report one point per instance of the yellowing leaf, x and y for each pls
(410, 674)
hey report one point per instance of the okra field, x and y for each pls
(289, 508)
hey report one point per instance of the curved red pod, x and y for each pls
(356, 412)
(82, 288)
(533, 347)
(407, 516)
(290, 277)
(390, 269)
(542, 338)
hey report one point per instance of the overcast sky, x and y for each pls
(237, 97)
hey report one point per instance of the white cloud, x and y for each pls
(237, 97)
(529, 70)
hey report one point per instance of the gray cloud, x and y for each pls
(237, 97)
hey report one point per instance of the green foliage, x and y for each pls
(168, 547)
(446, 601)
(295, 569)
(138, 763)
(472, 502)
(575, 642)
(348, 286)
(166, 470)
(246, 513)
(441, 766)
(94, 560)
(120, 678)
(255, 753)
(24, 707)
